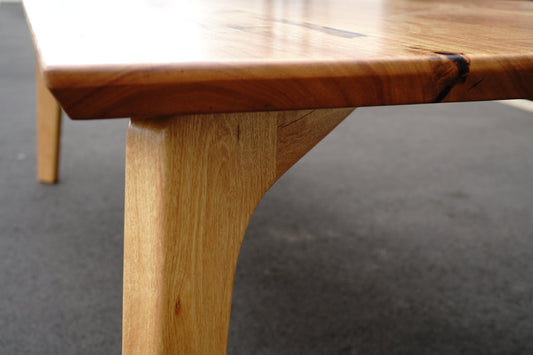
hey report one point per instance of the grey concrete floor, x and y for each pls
(409, 230)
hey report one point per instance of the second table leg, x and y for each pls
(48, 132)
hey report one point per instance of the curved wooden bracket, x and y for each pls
(192, 184)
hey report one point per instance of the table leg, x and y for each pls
(192, 184)
(48, 132)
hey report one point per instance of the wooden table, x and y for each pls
(224, 97)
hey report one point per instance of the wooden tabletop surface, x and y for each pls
(124, 58)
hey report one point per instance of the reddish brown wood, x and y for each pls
(255, 55)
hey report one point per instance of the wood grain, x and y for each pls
(260, 55)
(192, 184)
(300, 131)
(48, 132)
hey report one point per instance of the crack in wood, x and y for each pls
(462, 63)
(296, 120)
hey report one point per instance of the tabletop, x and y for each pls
(139, 58)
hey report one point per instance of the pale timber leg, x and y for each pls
(48, 133)
(192, 184)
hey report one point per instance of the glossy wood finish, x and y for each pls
(118, 58)
(192, 184)
(48, 132)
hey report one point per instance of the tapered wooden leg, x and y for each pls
(48, 133)
(192, 184)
